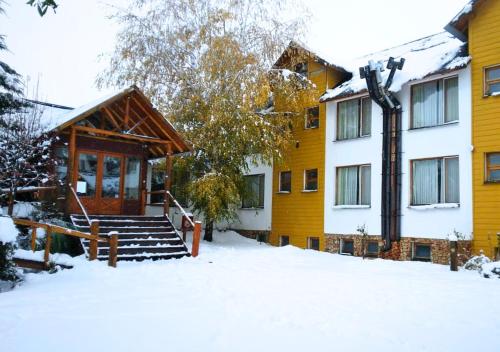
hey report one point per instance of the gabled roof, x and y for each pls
(460, 23)
(319, 56)
(424, 57)
(144, 119)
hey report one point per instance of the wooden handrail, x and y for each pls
(93, 237)
(180, 208)
(80, 204)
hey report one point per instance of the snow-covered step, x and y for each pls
(139, 238)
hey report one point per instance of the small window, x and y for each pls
(493, 167)
(435, 181)
(353, 185)
(492, 80)
(253, 196)
(311, 180)
(312, 117)
(301, 69)
(422, 252)
(354, 118)
(347, 247)
(285, 181)
(261, 237)
(372, 248)
(284, 241)
(313, 243)
(434, 103)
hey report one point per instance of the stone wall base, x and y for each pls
(260, 235)
(402, 250)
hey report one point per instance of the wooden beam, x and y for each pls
(127, 114)
(71, 168)
(121, 135)
(162, 128)
(110, 116)
(168, 178)
(141, 121)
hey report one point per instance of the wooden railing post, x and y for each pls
(33, 238)
(48, 242)
(196, 239)
(94, 231)
(113, 250)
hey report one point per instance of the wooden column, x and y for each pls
(196, 239)
(33, 238)
(48, 242)
(93, 247)
(71, 167)
(168, 177)
(113, 250)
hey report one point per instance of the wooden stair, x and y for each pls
(139, 237)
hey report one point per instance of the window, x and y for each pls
(261, 237)
(284, 241)
(87, 174)
(285, 181)
(422, 252)
(311, 180)
(312, 117)
(372, 248)
(253, 196)
(347, 247)
(493, 167)
(301, 69)
(61, 158)
(353, 185)
(434, 103)
(492, 80)
(354, 118)
(313, 243)
(435, 181)
(157, 183)
(132, 177)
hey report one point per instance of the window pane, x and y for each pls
(311, 182)
(366, 117)
(284, 241)
(425, 182)
(111, 177)
(132, 177)
(312, 117)
(493, 161)
(87, 173)
(254, 191)
(493, 73)
(348, 119)
(494, 88)
(157, 183)
(452, 186)
(347, 247)
(347, 185)
(422, 251)
(451, 91)
(285, 181)
(427, 104)
(372, 248)
(61, 164)
(314, 243)
(365, 184)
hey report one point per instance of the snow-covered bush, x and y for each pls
(8, 235)
(476, 262)
(490, 270)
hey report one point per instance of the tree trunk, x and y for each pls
(209, 229)
(10, 210)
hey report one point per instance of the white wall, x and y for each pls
(248, 219)
(424, 222)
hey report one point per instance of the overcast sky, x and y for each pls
(61, 51)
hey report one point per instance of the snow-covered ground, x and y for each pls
(242, 296)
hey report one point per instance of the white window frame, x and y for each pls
(485, 81)
(359, 185)
(361, 101)
(309, 242)
(305, 181)
(279, 182)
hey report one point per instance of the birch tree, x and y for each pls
(207, 66)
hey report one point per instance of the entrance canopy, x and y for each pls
(125, 115)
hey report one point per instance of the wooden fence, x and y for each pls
(93, 237)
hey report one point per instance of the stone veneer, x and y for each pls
(254, 234)
(402, 250)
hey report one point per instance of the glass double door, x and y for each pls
(108, 183)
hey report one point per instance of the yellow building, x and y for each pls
(479, 24)
(298, 183)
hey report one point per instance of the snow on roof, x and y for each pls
(426, 56)
(56, 119)
(320, 53)
(465, 11)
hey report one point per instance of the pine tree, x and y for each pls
(207, 66)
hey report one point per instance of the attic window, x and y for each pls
(312, 117)
(492, 80)
(301, 69)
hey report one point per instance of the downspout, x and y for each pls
(391, 147)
